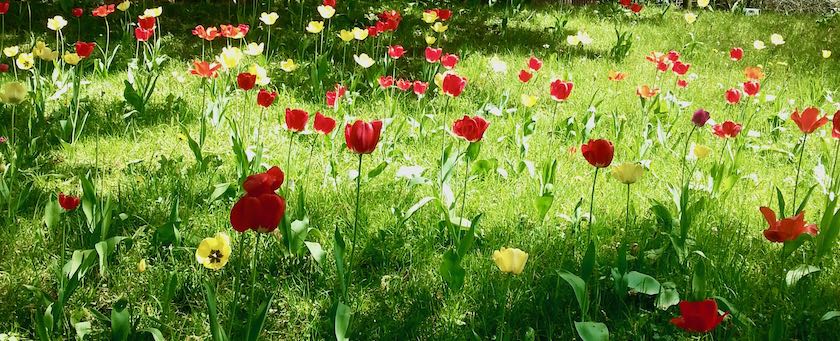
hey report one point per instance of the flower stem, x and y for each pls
(592, 202)
(834, 165)
(799, 170)
(253, 283)
(463, 196)
(627, 217)
(355, 220)
(685, 152)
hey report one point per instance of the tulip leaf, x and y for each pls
(316, 251)
(472, 151)
(451, 271)
(794, 275)
(154, 332)
(791, 246)
(830, 315)
(299, 229)
(342, 321)
(413, 209)
(105, 248)
(216, 329)
(643, 283)
(469, 238)
(219, 190)
(257, 321)
(781, 198)
(831, 229)
(579, 287)
(378, 170)
(82, 329)
(588, 264)
(543, 204)
(698, 280)
(725, 305)
(805, 200)
(592, 331)
(52, 214)
(668, 297)
(120, 320)
(338, 253)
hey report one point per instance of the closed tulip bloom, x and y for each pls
(260, 209)
(787, 229)
(433, 54)
(141, 266)
(700, 118)
(315, 27)
(430, 40)
(700, 151)
(702, 3)
(396, 51)
(330, 3)
(386, 82)
(246, 81)
(470, 128)
(733, 96)
(511, 260)
(296, 119)
(453, 85)
(403, 84)
(429, 16)
(727, 129)
(364, 60)
(598, 153)
(528, 100)
(449, 61)
(826, 54)
(525, 76)
(420, 88)
(560, 90)
(269, 18)
(153, 12)
(345, 35)
(439, 27)
(362, 137)
(4, 7)
(835, 125)
(147, 22)
(535, 64)
(123, 6)
(213, 253)
(68, 202)
(78, 12)
(680, 68)
(736, 54)
(71, 58)
(84, 49)
(323, 124)
(266, 98)
(698, 317)
(326, 12)
(809, 120)
(751, 88)
(628, 173)
(142, 34)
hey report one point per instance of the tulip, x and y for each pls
(288, 65)
(808, 121)
(11, 51)
(429, 16)
(777, 39)
(528, 100)
(56, 23)
(71, 58)
(362, 137)
(628, 173)
(326, 12)
(296, 119)
(260, 209)
(323, 124)
(420, 88)
(525, 76)
(700, 151)
(535, 64)
(680, 68)
(230, 57)
(736, 54)
(470, 129)
(646, 92)
(266, 98)
(68, 202)
(84, 49)
(345, 35)
(702, 3)
(77, 12)
(700, 118)
(254, 49)
(449, 61)
(364, 60)
(759, 45)
(698, 317)
(560, 90)
(123, 6)
(430, 40)
(386, 82)
(142, 34)
(787, 229)
(453, 85)
(751, 88)
(25, 61)
(511, 260)
(403, 84)
(315, 27)
(269, 18)
(443, 14)
(439, 27)
(4, 7)
(205, 69)
(690, 18)
(141, 266)
(246, 81)
(103, 11)
(753, 73)
(733, 96)
(826, 54)
(360, 34)
(433, 54)
(154, 12)
(147, 23)
(396, 51)
(598, 153)
(213, 253)
(616, 76)
(727, 129)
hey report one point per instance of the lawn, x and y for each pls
(383, 253)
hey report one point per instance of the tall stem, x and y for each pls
(443, 127)
(798, 170)
(627, 214)
(685, 152)
(463, 196)
(355, 220)
(253, 282)
(834, 165)
(592, 202)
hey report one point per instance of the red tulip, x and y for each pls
(68, 202)
(525, 76)
(625, 3)
(4, 8)
(787, 229)
(260, 209)
(727, 129)
(470, 128)
(246, 81)
(265, 98)
(682, 83)
(680, 68)
(662, 66)
(296, 119)
(330, 3)
(751, 88)
(323, 124)
(636, 8)
(535, 64)
(84, 49)
(403, 84)
(453, 85)
(560, 89)
(835, 125)
(77, 12)
(103, 11)
(698, 317)
(443, 14)
(234, 32)
(808, 121)
(373, 31)
(332, 99)
(4, 68)
(733, 96)
(673, 56)
(449, 60)
(598, 153)
(433, 54)
(736, 53)
(205, 69)
(420, 88)
(340, 90)
(146, 22)
(142, 34)
(362, 137)
(700, 118)
(396, 51)
(386, 82)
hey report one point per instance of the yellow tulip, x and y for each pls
(123, 6)
(572, 40)
(25, 61)
(11, 51)
(702, 3)
(214, 253)
(13, 93)
(628, 173)
(430, 40)
(430, 16)
(364, 60)
(826, 54)
(777, 39)
(345, 35)
(230, 57)
(439, 27)
(254, 49)
(528, 100)
(288, 65)
(47, 54)
(56, 23)
(71, 58)
(269, 18)
(360, 33)
(690, 18)
(141, 266)
(510, 260)
(153, 12)
(315, 27)
(326, 12)
(759, 45)
(261, 73)
(701, 151)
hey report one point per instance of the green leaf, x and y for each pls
(643, 283)
(338, 253)
(52, 214)
(342, 321)
(219, 190)
(378, 170)
(592, 331)
(316, 251)
(827, 238)
(82, 329)
(216, 329)
(543, 204)
(789, 247)
(588, 264)
(154, 332)
(257, 321)
(414, 208)
(579, 287)
(793, 276)
(120, 320)
(698, 281)
(168, 234)
(469, 238)
(781, 198)
(451, 271)
(668, 297)
(472, 151)
(830, 315)
(105, 248)
(300, 228)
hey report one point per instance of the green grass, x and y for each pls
(397, 292)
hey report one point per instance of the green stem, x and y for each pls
(253, 283)
(592, 202)
(799, 170)
(834, 165)
(685, 152)
(355, 220)
(463, 197)
(627, 214)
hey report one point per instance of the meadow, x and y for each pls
(509, 172)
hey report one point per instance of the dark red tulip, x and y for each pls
(4, 68)
(68, 202)
(443, 14)
(332, 99)
(296, 119)
(84, 49)
(698, 317)
(680, 68)
(323, 124)
(733, 96)
(449, 61)
(809, 120)
(598, 153)
(662, 66)
(433, 54)
(330, 3)
(525, 76)
(727, 129)
(470, 128)
(682, 83)
(787, 229)
(396, 51)
(246, 81)
(265, 98)
(362, 137)
(260, 209)
(736, 53)
(142, 34)
(835, 125)
(535, 64)
(751, 88)
(625, 3)
(420, 88)
(147, 23)
(453, 85)
(78, 12)
(4, 7)
(700, 118)
(560, 89)
(386, 82)
(636, 7)
(403, 84)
